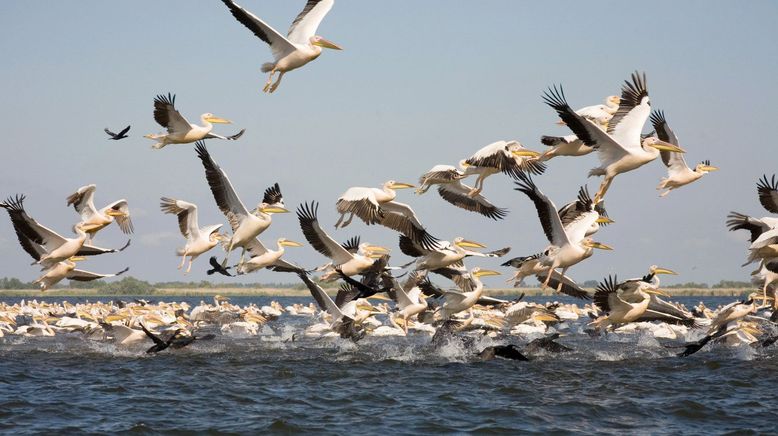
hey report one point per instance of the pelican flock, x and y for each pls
(613, 130)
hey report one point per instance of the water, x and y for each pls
(613, 384)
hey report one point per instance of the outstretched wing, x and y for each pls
(25, 225)
(221, 188)
(304, 26)
(673, 161)
(768, 193)
(279, 45)
(186, 213)
(318, 238)
(87, 276)
(634, 109)
(457, 194)
(547, 213)
(400, 217)
(166, 115)
(124, 221)
(83, 201)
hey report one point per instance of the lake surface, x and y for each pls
(269, 383)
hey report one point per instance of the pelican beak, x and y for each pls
(217, 120)
(604, 220)
(88, 227)
(77, 258)
(401, 186)
(274, 209)
(379, 297)
(486, 272)
(598, 245)
(545, 317)
(377, 249)
(666, 146)
(117, 213)
(659, 270)
(525, 153)
(288, 243)
(321, 42)
(658, 292)
(709, 168)
(470, 244)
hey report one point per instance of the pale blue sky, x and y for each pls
(419, 83)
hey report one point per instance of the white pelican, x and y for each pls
(568, 145)
(457, 301)
(57, 248)
(246, 226)
(181, 131)
(83, 202)
(621, 149)
(300, 46)
(377, 206)
(600, 114)
(570, 212)
(117, 136)
(732, 312)
(444, 253)
(261, 257)
(525, 266)
(678, 172)
(509, 157)
(608, 297)
(439, 174)
(568, 245)
(349, 263)
(756, 226)
(341, 323)
(198, 240)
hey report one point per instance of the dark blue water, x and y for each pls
(612, 384)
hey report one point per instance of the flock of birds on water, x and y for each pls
(414, 304)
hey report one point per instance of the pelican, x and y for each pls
(568, 245)
(261, 257)
(621, 149)
(765, 276)
(181, 131)
(198, 240)
(509, 157)
(732, 312)
(568, 145)
(600, 114)
(349, 263)
(300, 46)
(460, 301)
(117, 136)
(83, 202)
(439, 174)
(246, 226)
(341, 323)
(57, 248)
(570, 212)
(377, 206)
(451, 189)
(609, 298)
(444, 253)
(678, 172)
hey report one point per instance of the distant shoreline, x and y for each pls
(288, 292)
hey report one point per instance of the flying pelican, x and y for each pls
(765, 276)
(457, 193)
(568, 145)
(181, 131)
(439, 174)
(457, 301)
(300, 46)
(377, 206)
(341, 323)
(57, 248)
(678, 172)
(570, 212)
(444, 253)
(83, 202)
(261, 257)
(117, 136)
(198, 240)
(599, 114)
(621, 149)
(246, 226)
(608, 297)
(568, 245)
(509, 157)
(349, 263)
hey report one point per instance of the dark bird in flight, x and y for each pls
(117, 136)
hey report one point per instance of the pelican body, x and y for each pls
(179, 130)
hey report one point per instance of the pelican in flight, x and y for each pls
(569, 245)
(83, 202)
(181, 131)
(600, 114)
(451, 189)
(246, 226)
(509, 157)
(347, 262)
(198, 240)
(377, 206)
(445, 253)
(611, 298)
(300, 46)
(678, 172)
(621, 148)
(261, 257)
(457, 301)
(57, 248)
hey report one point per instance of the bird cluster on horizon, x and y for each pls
(614, 130)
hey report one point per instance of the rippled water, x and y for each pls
(614, 384)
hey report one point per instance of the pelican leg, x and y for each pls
(603, 189)
(405, 324)
(479, 186)
(348, 221)
(242, 257)
(278, 82)
(269, 82)
(227, 257)
(764, 294)
(340, 220)
(548, 277)
(183, 260)
(189, 268)
(559, 287)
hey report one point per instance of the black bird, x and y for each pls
(159, 344)
(509, 351)
(218, 268)
(181, 341)
(118, 136)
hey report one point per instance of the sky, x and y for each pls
(418, 83)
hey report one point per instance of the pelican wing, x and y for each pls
(87, 276)
(352, 245)
(608, 149)
(569, 286)
(25, 225)
(768, 193)
(273, 195)
(497, 156)
(571, 211)
(91, 250)
(279, 45)
(124, 221)
(304, 26)
(410, 248)
(221, 188)
(634, 109)
(362, 203)
(33, 249)
(456, 193)
(83, 202)
(318, 238)
(186, 213)
(234, 137)
(322, 299)
(255, 247)
(673, 161)
(547, 213)
(400, 217)
(441, 174)
(166, 115)
(606, 295)
(738, 221)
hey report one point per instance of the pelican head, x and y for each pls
(518, 150)
(373, 251)
(391, 184)
(271, 208)
(590, 243)
(211, 118)
(321, 42)
(464, 243)
(603, 219)
(289, 243)
(660, 145)
(659, 270)
(478, 272)
(613, 100)
(704, 167)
